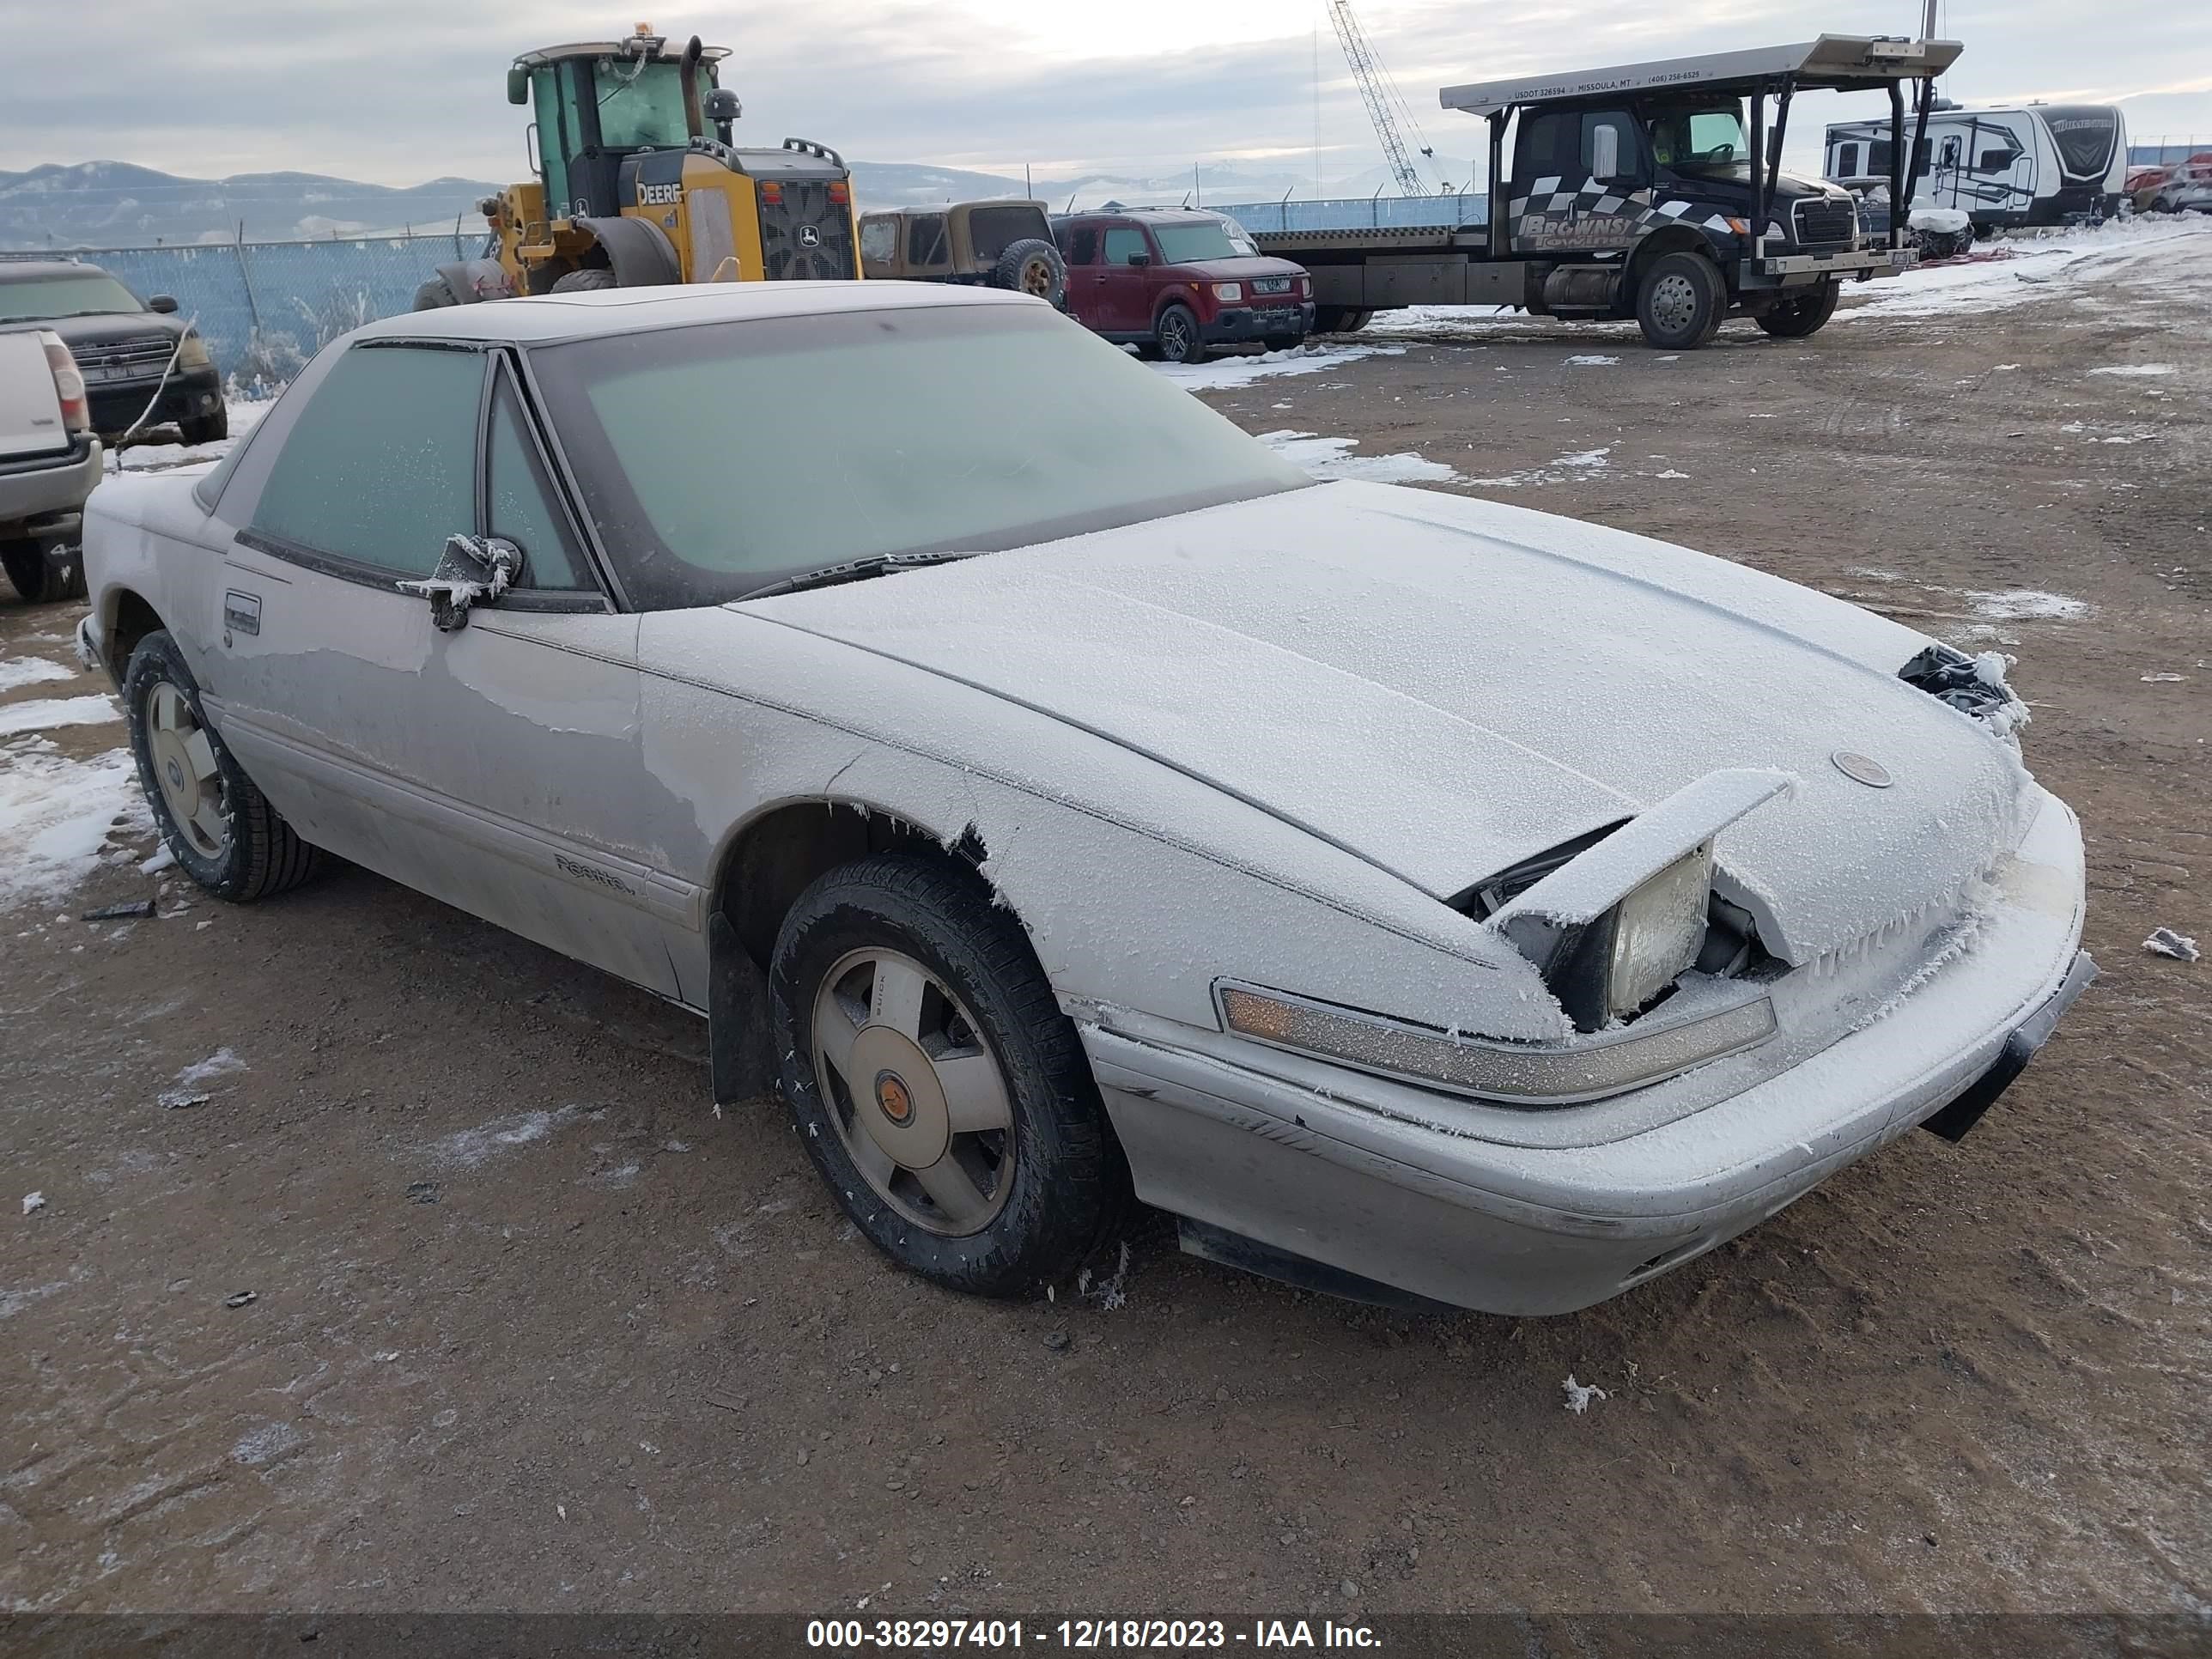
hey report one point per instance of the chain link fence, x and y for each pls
(265, 308)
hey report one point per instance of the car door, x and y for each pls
(1541, 197)
(1124, 288)
(497, 767)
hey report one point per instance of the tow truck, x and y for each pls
(1641, 191)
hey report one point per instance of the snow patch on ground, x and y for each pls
(1591, 361)
(467, 1149)
(1332, 457)
(1229, 373)
(17, 672)
(2027, 604)
(1582, 464)
(2019, 271)
(191, 458)
(42, 714)
(2136, 369)
(58, 815)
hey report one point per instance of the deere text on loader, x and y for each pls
(638, 183)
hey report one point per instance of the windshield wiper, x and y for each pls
(857, 570)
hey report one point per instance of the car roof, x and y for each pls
(31, 270)
(543, 319)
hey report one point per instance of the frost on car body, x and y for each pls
(1376, 873)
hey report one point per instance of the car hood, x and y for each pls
(1445, 687)
(1242, 269)
(106, 327)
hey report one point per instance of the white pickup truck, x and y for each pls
(49, 462)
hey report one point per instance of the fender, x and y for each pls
(471, 281)
(639, 249)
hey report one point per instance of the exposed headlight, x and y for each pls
(194, 353)
(1229, 293)
(1724, 1018)
(1610, 966)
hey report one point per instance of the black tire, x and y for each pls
(1796, 315)
(1340, 319)
(1177, 331)
(205, 428)
(1680, 301)
(1283, 342)
(588, 280)
(1033, 266)
(434, 296)
(1069, 1183)
(44, 573)
(260, 854)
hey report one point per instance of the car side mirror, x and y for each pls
(1140, 260)
(473, 570)
(164, 303)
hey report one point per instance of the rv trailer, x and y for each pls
(2038, 164)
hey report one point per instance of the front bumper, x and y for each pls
(44, 492)
(1382, 1182)
(189, 394)
(1240, 324)
(1789, 269)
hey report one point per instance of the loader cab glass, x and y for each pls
(592, 112)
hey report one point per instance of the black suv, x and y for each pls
(123, 348)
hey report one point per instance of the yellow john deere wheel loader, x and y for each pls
(638, 183)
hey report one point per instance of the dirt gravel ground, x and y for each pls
(529, 1329)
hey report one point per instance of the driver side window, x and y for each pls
(380, 468)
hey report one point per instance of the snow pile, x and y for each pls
(1990, 668)
(2022, 272)
(41, 714)
(1332, 457)
(1229, 373)
(57, 816)
(194, 458)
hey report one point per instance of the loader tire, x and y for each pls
(584, 281)
(434, 296)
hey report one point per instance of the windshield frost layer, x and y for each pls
(721, 457)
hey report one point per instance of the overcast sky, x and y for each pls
(399, 91)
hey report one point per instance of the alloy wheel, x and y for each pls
(185, 771)
(1036, 277)
(917, 1098)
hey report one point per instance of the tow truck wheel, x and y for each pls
(1680, 301)
(1800, 314)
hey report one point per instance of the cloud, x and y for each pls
(409, 89)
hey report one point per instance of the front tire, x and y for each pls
(436, 294)
(589, 280)
(939, 1088)
(205, 428)
(1795, 317)
(1680, 301)
(222, 830)
(1177, 333)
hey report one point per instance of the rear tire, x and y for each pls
(879, 1083)
(44, 573)
(1680, 301)
(1799, 315)
(1341, 320)
(1283, 342)
(222, 830)
(205, 428)
(1176, 330)
(1033, 266)
(589, 280)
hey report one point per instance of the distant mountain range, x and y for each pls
(94, 204)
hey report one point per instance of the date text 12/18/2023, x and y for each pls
(1085, 1635)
